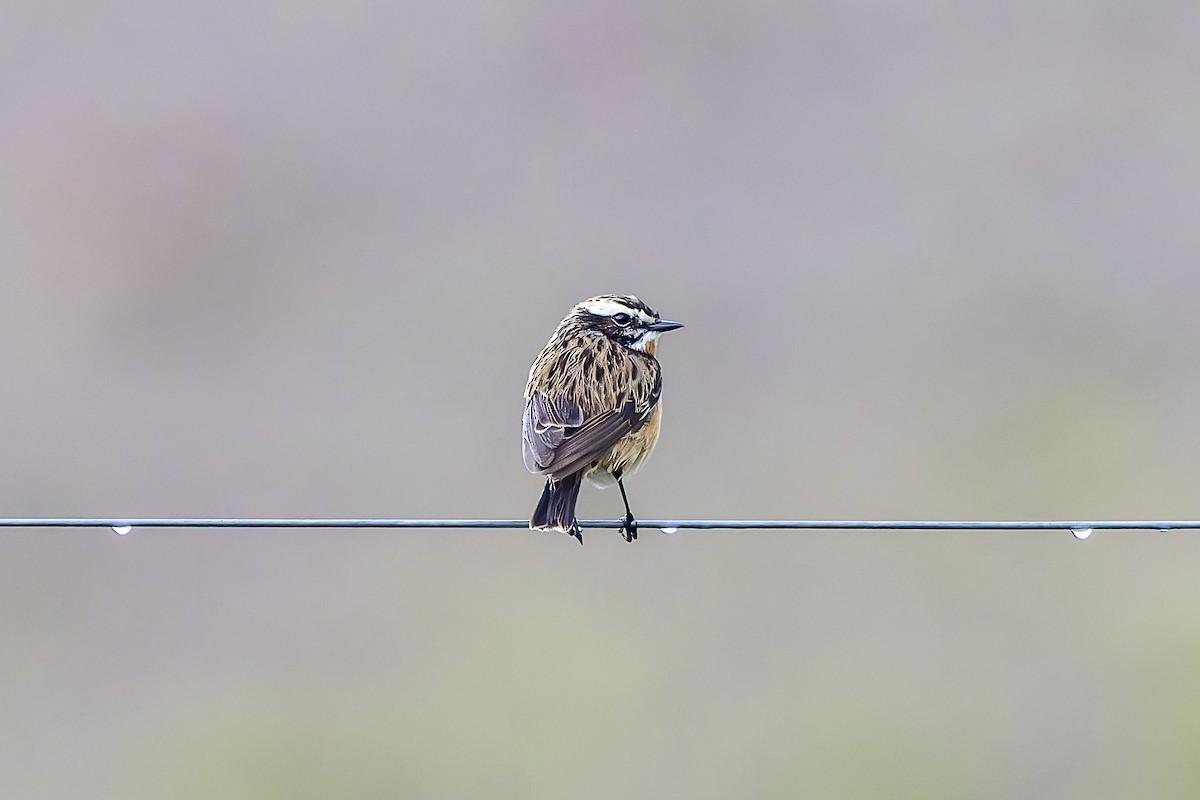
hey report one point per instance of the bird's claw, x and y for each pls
(629, 528)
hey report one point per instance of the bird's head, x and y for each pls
(624, 319)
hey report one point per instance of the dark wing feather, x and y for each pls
(558, 441)
(544, 425)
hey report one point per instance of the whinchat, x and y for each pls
(592, 405)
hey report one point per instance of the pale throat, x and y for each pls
(646, 343)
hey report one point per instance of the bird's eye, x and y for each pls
(622, 318)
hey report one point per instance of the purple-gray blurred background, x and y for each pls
(936, 260)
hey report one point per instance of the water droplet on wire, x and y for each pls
(121, 530)
(669, 530)
(1081, 533)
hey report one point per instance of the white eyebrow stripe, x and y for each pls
(606, 308)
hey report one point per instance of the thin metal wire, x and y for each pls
(667, 524)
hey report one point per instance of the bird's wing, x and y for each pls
(560, 438)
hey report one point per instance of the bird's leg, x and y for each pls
(629, 526)
(577, 532)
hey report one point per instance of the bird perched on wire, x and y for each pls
(592, 405)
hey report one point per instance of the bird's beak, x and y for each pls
(664, 325)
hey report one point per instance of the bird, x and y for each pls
(592, 405)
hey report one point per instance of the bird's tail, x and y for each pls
(556, 510)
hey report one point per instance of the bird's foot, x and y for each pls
(577, 532)
(629, 528)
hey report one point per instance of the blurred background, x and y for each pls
(936, 260)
